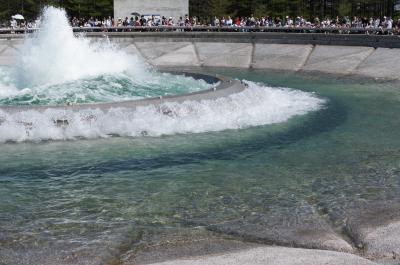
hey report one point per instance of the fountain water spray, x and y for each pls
(56, 64)
(55, 55)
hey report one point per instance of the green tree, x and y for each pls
(344, 8)
(205, 9)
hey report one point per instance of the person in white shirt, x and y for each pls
(377, 23)
(109, 23)
(13, 23)
(389, 24)
(229, 22)
(216, 22)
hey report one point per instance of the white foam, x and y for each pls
(54, 55)
(257, 105)
(56, 67)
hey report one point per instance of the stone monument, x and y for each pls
(167, 8)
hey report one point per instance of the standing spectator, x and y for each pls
(181, 22)
(13, 24)
(377, 23)
(389, 23)
(187, 21)
(75, 22)
(317, 22)
(238, 22)
(91, 22)
(164, 21)
(125, 23)
(109, 22)
(229, 22)
(143, 21)
(215, 22)
(170, 22)
(137, 22)
(131, 22)
(194, 21)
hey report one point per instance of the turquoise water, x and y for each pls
(99, 198)
(97, 89)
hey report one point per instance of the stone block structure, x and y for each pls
(167, 8)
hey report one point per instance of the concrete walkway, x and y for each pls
(275, 256)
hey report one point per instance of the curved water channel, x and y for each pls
(96, 197)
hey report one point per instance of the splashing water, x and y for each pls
(55, 55)
(255, 106)
(56, 68)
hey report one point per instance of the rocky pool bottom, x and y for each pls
(327, 180)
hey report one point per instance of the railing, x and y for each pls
(339, 30)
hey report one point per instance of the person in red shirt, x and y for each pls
(238, 22)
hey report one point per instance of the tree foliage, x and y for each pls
(307, 8)
(79, 8)
(205, 9)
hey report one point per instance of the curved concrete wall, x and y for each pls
(375, 56)
(224, 87)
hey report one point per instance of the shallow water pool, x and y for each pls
(92, 200)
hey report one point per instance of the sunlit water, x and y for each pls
(280, 154)
(55, 67)
(94, 198)
(98, 89)
(58, 68)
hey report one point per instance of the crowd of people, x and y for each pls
(300, 22)
(384, 25)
